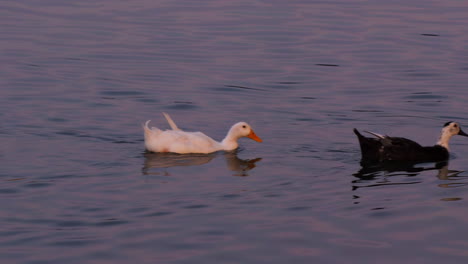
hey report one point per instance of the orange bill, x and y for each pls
(253, 136)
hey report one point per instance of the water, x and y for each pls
(78, 80)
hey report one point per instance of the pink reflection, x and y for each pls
(168, 160)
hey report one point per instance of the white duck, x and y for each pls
(178, 141)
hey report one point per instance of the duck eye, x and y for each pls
(244, 126)
(455, 125)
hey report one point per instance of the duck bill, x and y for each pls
(253, 136)
(461, 133)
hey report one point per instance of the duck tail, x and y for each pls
(370, 147)
(362, 140)
(145, 125)
(357, 133)
(170, 121)
(149, 131)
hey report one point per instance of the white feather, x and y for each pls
(181, 142)
(375, 134)
(171, 122)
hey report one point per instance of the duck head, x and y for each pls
(450, 129)
(238, 130)
(242, 129)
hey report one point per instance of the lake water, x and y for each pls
(79, 78)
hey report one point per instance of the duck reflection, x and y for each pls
(167, 160)
(379, 175)
(240, 166)
(446, 174)
(371, 171)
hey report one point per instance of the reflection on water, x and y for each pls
(239, 165)
(387, 174)
(368, 172)
(167, 160)
(374, 172)
(446, 174)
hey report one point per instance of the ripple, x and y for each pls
(37, 184)
(157, 214)
(425, 95)
(122, 93)
(236, 88)
(73, 242)
(243, 87)
(179, 105)
(451, 199)
(360, 243)
(147, 100)
(111, 222)
(196, 206)
(9, 190)
(57, 119)
(272, 195)
(230, 196)
(421, 74)
(298, 208)
(450, 251)
(70, 223)
(327, 65)
(304, 148)
(117, 139)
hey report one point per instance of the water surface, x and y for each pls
(79, 79)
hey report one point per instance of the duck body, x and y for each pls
(177, 141)
(398, 149)
(157, 140)
(385, 148)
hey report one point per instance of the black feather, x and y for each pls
(398, 149)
